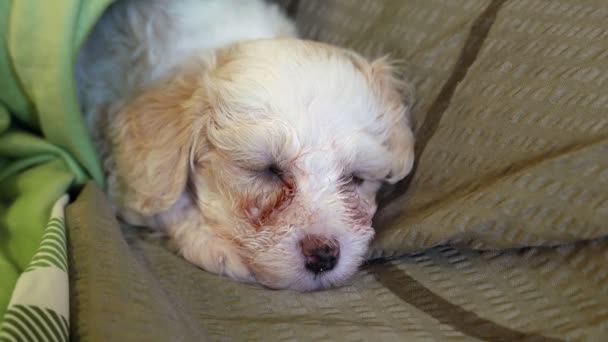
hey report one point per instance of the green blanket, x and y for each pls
(44, 147)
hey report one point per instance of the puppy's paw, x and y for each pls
(218, 256)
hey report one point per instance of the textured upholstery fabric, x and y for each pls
(497, 236)
(127, 286)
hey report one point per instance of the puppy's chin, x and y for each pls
(304, 281)
(283, 266)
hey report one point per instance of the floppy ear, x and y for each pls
(153, 140)
(396, 96)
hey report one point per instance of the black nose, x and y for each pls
(321, 254)
(321, 261)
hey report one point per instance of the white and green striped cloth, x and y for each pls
(39, 306)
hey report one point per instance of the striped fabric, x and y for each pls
(39, 307)
(52, 251)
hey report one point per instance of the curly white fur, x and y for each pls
(239, 143)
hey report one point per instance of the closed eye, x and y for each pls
(274, 170)
(357, 180)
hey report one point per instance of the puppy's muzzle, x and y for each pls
(321, 254)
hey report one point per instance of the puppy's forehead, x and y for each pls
(313, 87)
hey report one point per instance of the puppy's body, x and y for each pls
(259, 158)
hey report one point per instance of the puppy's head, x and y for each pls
(262, 162)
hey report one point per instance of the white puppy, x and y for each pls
(258, 154)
